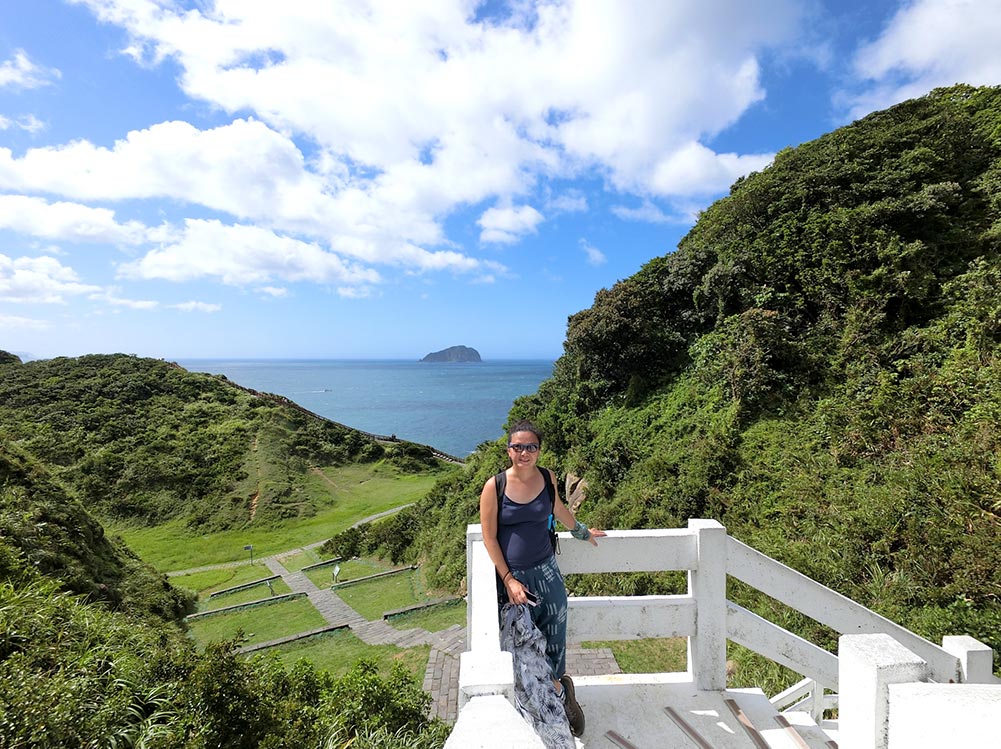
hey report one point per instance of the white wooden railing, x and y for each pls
(703, 615)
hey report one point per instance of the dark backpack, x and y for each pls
(500, 483)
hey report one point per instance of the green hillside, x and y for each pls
(816, 366)
(92, 649)
(144, 441)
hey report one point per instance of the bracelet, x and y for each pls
(581, 531)
(504, 579)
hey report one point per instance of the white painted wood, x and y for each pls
(629, 617)
(762, 636)
(829, 607)
(707, 585)
(629, 551)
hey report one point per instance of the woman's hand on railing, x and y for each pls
(595, 533)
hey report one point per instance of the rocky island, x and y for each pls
(454, 354)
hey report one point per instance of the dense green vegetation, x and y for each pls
(817, 366)
(92, 652)
(144, 441)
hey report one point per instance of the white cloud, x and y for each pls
(28, 123)
(696, 170)
(41, 280)
(67, 221)
(646, 212)
(109, 296)
(274, 291)
(930, 43)
(439, 109)
(354, 292)
(16, 322)
(193, 306)
(31, 124)
(20, 72)
(507, 225)
(570, 202)
(242, 254)
(593, 254)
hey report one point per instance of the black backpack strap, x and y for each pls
(549, 489)
(553, 538)
(500, 484)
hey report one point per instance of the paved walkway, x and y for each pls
(441, 677)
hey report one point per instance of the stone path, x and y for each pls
(441, 677)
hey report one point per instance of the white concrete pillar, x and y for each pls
(492, 723)
(707, 585)
(976, 660)
(485, 673)
(933, 716)
(867, 665)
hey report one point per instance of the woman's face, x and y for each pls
(523, 448)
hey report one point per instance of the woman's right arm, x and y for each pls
(488, 524)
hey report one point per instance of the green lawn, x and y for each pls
(256, 593)
(350, 569)
(209, 581)
(348, 494)
(371, 599)
(433, 619)
(259, 623)
(648, 656)
(338, 651)
(299, 559)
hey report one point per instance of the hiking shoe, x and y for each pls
(575, 716)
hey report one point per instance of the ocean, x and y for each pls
(452, 407)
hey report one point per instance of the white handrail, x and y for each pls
(826, 606)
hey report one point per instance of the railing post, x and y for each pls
(707, 585)
(976, 660)
(484, 669)
(867, 665)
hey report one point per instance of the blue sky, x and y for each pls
(250, 178)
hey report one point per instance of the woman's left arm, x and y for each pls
(563, 514)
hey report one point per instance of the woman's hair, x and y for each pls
(523, 425)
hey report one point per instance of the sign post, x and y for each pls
(250, 548)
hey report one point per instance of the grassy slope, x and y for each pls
(348, 494)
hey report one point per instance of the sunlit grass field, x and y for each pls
(647, 656)
(338, 651)
(278, 587)
(345, 494)
(209, 581)
(258, 623)
(433, 619)
(373, 598)
(349, 569)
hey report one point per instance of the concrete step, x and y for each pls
(648, 711)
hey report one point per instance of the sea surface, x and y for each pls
(450, 406)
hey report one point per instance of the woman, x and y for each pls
(517, 539)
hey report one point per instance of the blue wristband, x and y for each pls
(580, 531)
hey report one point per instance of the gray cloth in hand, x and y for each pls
(535, 695)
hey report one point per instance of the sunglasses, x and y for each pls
(531, 447)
